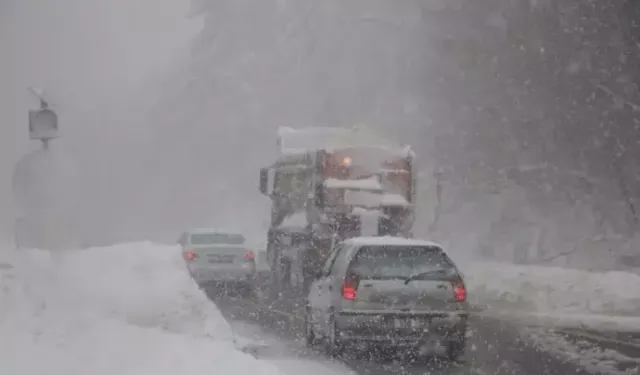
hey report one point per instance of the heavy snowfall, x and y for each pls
(524, 121)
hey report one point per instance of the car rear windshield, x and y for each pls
(400, 262)
(217, 238)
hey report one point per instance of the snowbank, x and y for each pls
(589, 355)
(126, 309)
(556, 294)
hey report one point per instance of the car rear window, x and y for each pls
(217, 238)
(400, 262)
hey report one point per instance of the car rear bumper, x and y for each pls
(382, 328)
(203, 275)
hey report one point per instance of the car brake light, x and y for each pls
(190, 255)
(251, 256)
(459, 291)
(349, 288)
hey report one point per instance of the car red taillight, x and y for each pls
(190, 255)
(349, 288)
(459, 290)
(251, 256)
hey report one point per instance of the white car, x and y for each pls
(219, 258)
(390, 292)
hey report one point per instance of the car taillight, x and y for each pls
(251, 256)
(459, 290)
(190, 255)
(349, 288)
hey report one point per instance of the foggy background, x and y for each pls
(527, 108)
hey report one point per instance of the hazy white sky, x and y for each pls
(150, 150)
(93, 58)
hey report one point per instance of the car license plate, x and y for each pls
(406, 323)
(220, 259)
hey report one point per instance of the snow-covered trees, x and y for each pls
(552, 85)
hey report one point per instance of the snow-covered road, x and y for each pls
(132, 309)
(494, 347)
(538, 304)
(588, 318)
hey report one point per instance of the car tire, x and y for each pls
(456, 345)
(310, 335)
(333, 345)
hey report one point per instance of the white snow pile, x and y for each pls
(125, 309)
(555, 294)
(594, 359)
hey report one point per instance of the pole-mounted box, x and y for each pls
(43, 124)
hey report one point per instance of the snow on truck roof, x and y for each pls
(390, 241)
(296, 141)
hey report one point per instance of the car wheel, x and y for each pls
(310, 335)
(456, 345)
(334, 346)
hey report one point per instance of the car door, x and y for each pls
(335, 279)
(317, 286)
(313, 298)
(326, 289)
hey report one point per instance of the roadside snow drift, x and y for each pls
(126, 309)
(566, 296)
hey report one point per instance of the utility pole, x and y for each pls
(43, 126)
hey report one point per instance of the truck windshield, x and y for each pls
(401, 262)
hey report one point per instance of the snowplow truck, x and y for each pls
(327, 185)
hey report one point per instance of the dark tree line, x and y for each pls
(551, 84)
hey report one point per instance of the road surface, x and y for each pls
(494, 347)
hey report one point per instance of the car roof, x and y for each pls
(389, 241)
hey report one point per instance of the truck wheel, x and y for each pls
(248, 289)
(285, 274)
